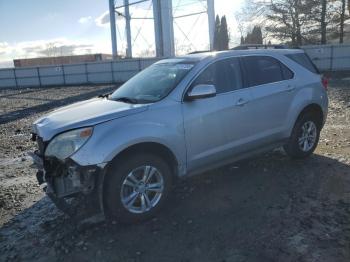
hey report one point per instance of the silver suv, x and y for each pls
(178, 117)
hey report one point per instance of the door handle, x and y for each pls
(290, 88)
(241, 102)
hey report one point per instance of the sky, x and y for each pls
(34, 28)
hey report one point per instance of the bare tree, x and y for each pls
(323, 22)
(301, 21)
(342, 20)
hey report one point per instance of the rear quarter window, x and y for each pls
(304, 60)
(287, 73)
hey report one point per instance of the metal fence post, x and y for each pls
(39, 77)
(14, 73)
(113, 80)
(64, 75)
(139, 60)
(331, 58)
(86, 73)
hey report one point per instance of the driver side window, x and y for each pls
(207, 77)
(224, 74)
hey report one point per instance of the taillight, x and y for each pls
(325, 81)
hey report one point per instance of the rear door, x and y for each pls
(272, 86)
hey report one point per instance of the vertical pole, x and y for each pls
(113, 80)
(15, 75)
(127, 29)
(211, 21)
(86, 73)
(64, 75)
(39, 77)
(139, 64)
(113, 28)
(158, 28)
(332, 57)
(166, 11)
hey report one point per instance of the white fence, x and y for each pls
(330, 57)
(103, 72)
(325, 57)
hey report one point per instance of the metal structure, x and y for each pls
(211, 21)
(128, 29)
(163, 25)
(113, 28)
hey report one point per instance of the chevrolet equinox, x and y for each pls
(178, 117)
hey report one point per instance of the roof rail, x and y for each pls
(259, 46)
(199, 52)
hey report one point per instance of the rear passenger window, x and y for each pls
(224, 74)
(260, 70)
(304, 60)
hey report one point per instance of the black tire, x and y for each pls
(117, 174)
(292, 148)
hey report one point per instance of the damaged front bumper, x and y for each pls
(63, 180)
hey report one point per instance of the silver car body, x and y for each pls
(201, 134)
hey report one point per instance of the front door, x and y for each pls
(213, 126)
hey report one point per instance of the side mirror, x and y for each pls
(201, 91)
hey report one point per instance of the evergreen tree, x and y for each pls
(257, 35)
(217, 43)
(242, 40)
(254, 37)
(224, 37)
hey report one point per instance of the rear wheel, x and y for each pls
(304, 137)
(137, 187)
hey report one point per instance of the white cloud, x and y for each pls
(103, 19)
(85, 19)
(135, 12)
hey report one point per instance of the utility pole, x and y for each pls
(113, 28)
(127, 29)
(211, 21)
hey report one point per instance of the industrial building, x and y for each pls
(59, 60)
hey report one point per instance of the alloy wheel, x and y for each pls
(308, 136)
(142, 189)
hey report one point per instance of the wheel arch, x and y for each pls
(143, 147)
(155, 148)
(314, 109)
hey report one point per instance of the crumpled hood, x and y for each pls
(82, 114)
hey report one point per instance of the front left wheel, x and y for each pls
(137, 187)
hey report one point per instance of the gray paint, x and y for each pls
(202, 133)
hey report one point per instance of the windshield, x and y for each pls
(153, 83)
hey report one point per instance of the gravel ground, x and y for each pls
(268, 208)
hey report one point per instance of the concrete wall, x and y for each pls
(330, 57)
(103, 72)
(326, 57)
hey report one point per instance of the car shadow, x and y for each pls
(268, 208)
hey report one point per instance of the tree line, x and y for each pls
(295, 22)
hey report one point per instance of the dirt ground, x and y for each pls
(268, 208)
